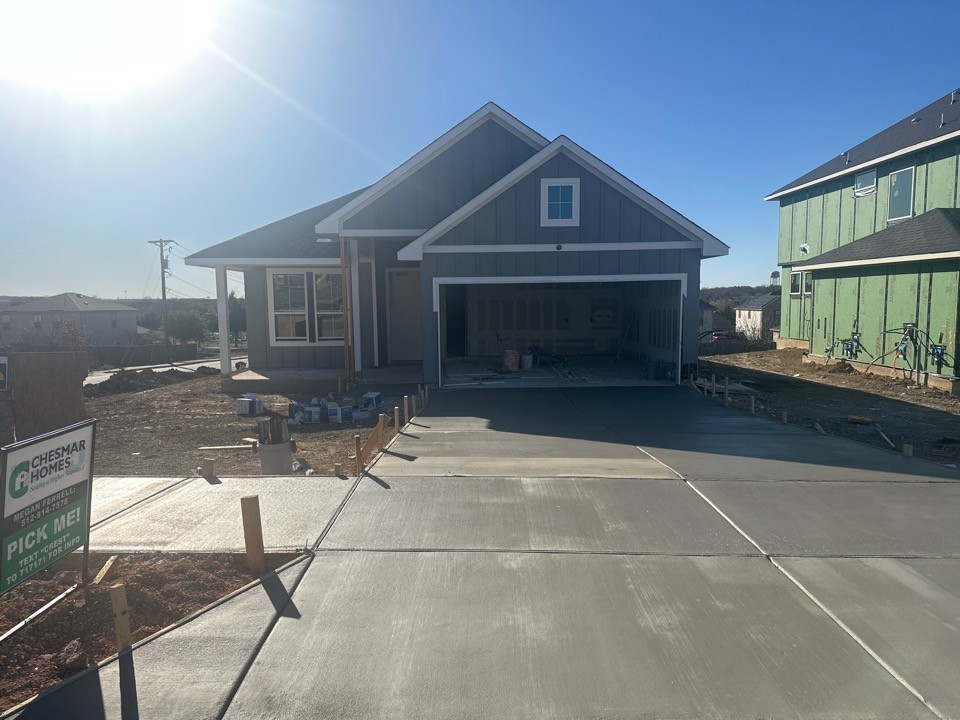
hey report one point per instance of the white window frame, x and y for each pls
(913, 189)
(271, 325)
(800, 291)
(803, 283)
(545, 184)
(869, 190)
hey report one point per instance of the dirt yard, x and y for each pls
(925, 418)
(79, 630)
(158, 431)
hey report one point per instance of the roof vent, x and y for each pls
(954, 96)
(915, 120)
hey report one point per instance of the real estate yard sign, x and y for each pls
(45, 507)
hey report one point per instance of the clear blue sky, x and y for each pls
(708, 105)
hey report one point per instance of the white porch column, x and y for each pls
(355, 303)
(223, 320)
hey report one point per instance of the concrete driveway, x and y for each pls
(607, 553)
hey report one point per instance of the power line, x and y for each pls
(187, 282)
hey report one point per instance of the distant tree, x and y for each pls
(237, 310)
(186, 326)
(727, 311)
(73, 336)
(151, 319)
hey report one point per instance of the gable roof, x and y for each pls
(331, 224)
(69, 302)
(291, 237)
(931, 236)
(937, 122)
(712, 247)
(761, 301)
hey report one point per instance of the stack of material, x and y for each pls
(273, 431)
(274, 447)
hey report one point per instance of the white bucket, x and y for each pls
(526, 361)
(276, 459)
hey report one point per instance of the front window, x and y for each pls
(807, 283)
(865, 183)
(37, 322)
(795, 283)
(559, 201)
(901, 194)
(306, 307)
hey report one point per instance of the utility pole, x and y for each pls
(163, 288)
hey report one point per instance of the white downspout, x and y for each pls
(223, 320)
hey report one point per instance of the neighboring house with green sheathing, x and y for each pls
(863, 252)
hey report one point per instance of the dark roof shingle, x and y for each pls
(936, 231)
(291, 237)
(917, 127)
(70, 302)
(761, 301)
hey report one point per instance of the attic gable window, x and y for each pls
(865, 183)
(559, 202)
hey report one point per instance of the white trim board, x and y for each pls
(264, 262)
(551, 279)
(570, 247)
(711, 246)
(863, 165)
(401, 233)
(333, 224)
(879, 261)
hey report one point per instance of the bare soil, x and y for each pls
(158, 432)
(161, 589)
(926, 418)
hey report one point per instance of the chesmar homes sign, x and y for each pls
(45, 507)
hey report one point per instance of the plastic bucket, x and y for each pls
(511, 361)
(276, 459)
(526, 361)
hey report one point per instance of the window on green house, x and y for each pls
(901, 195)
(865, 183)
(807, 283)
(795, 283)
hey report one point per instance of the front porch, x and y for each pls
(320, 381)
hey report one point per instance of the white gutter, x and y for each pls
(881, 261)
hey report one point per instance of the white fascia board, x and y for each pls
(393, 233)
(712, 247)
(569, 247)
(865, 165)
(263, 262)
(333, 224)
(880, 261)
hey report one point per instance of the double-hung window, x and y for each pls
(901, 195)
(795, 283)
(559, 202)
(306, 307)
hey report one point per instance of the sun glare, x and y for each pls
(96, 47)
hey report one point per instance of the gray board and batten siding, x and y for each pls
(513, 217)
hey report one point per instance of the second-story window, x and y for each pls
(559, 201)
(901, 195)
(795, 283)
(865, 183)
(807, 283)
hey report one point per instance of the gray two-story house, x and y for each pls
(870, 244)
(490, 238)
(49, 320)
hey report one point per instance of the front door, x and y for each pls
(404, 308)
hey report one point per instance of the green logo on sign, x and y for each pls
(20, 480)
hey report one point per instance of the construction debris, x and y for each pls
(860, 419)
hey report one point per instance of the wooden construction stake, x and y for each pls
(208, 466)
(406, 409)
(753, 404)
(726, 390)
(381, 430)
(908, 450)
(783, 416)
(413, 406)
(356, 442)
(713, 385)
(105, 569)
(121, 614)
(253, 533)
(426, 394)
(338, 469)
(396, 418)
(819, 428)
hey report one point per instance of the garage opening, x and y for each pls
(548, 334)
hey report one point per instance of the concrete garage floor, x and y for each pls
(584, 552)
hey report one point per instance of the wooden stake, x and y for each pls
(208, 466)
(253, 533)
(819, 428)
(784, 416)
(753, 404)
(338, 469)
(426, 394)
(413, 406)
(381, 430)
(339, 385)
(105, 569)
(356, 442)
(396, 418)
(884, 436)
(726, 390)
(406, 409)
(713, 385)
(121, 614)
(908, 450)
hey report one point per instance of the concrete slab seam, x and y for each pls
(150, 638)
(261, 641)
(839, 623)
(532, 551)
(336, 513)
(161, 491)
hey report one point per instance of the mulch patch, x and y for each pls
(79, 631)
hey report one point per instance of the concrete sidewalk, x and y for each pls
(744, 568)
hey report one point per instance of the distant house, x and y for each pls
(103, 322)
(757, 318)
(706, 317)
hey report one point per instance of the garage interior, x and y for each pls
(566, 334)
